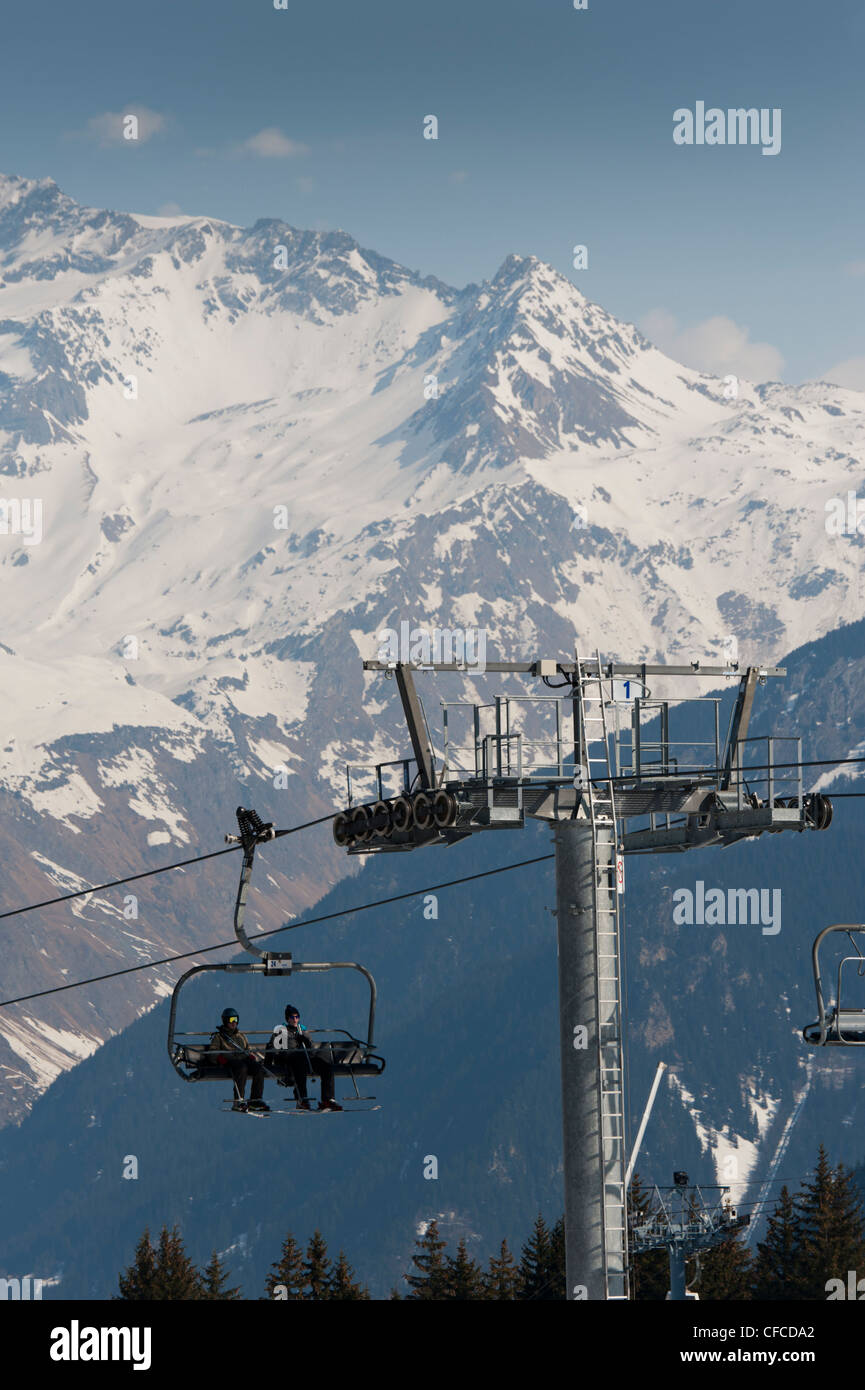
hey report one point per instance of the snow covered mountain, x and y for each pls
(229, 457)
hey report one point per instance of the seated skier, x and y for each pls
(288, 1051)
(230, 1049)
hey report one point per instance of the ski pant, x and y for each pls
(240, 1072)
(297, 1065)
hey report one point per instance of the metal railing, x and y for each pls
(489, 754)
(654, 753)
(638, 751)
(764, 781)
(376, 772)
(768, 779)
(641, 744)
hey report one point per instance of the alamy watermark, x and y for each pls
(447, 646)
(736, 907)
(736, 126)
(845, 517)
(22, 516)
(855, 1288)
(77, 1343)
(26, 1288)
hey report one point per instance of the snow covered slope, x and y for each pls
(248, 451)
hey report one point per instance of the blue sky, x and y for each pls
(555, 128)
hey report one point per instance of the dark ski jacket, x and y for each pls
(228, 1043)
(295, 1039)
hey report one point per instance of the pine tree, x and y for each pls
(430, 1279)
(137, 1282)
(537, 1274)
(777, 1266)
(214, 1280)
(831, 1229)
(175, 1276)
(502, 1279)
(316, 1269)
(726, 1271)
(343, 1286)
(286, 1278)
(463, 1278)
(557, 1260)
(650, 1271)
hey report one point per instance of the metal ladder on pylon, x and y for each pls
(608, 981)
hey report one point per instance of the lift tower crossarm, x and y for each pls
(567, 668)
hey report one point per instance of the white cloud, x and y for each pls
(850, 373)
(272, 143)
(134, 125)
(169, 210)
(716, 345)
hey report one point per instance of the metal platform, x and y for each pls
(521, 758)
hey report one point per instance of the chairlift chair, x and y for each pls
(837, 1026)
(349, 1055)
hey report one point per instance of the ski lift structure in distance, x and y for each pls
(349, 1056)
(837, 1026)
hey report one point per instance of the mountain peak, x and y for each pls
(514, 266)
(528, 272)
(14, 187)
(26, 201)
